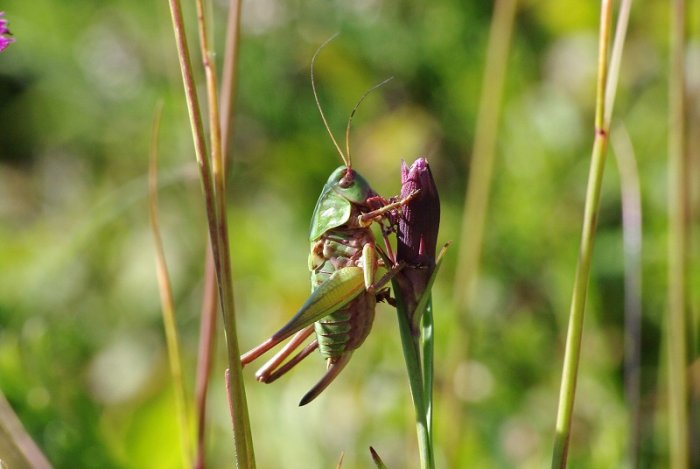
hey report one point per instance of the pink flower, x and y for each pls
(4, 32)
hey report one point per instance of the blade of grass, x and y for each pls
(678, 202)
(234, 382)
(377, 460)
(166, 299)
(427, 343)
(578, 301)
(427, 346)
(632, 242)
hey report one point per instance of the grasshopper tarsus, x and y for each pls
(384, 295)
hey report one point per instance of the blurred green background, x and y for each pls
(82, 351)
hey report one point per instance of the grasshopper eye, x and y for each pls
(347, 180)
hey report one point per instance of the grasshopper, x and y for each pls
(343, 261)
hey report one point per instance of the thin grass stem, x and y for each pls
(166, 298)
(208, 323)
(229, 80)
(238, 405)
(678, 203)
(219, 237)
(616, 58)
(578, 301)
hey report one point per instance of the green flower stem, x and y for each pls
(427, 352)
(416, 382)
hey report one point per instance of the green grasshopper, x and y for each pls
(344, 263)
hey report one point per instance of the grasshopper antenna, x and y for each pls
(352, 114)
(346, 159)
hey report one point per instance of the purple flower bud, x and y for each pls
(418, 227)
(418, 231)
(4, 41)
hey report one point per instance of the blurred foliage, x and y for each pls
(82, 355)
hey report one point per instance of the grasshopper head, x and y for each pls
(350, 185)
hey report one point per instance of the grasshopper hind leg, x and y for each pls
(334, 368)
(269, 375)
(273, 369)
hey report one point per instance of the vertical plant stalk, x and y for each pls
(166, 299)
(632, 242)
(219, 238)
(208, 322)
(229, 86)
(225, 276)
(481, 167)
(578, 301)
(412, 358)
(678, 203)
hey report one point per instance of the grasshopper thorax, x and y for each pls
(344, 189)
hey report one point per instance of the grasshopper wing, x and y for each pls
(341, 288)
